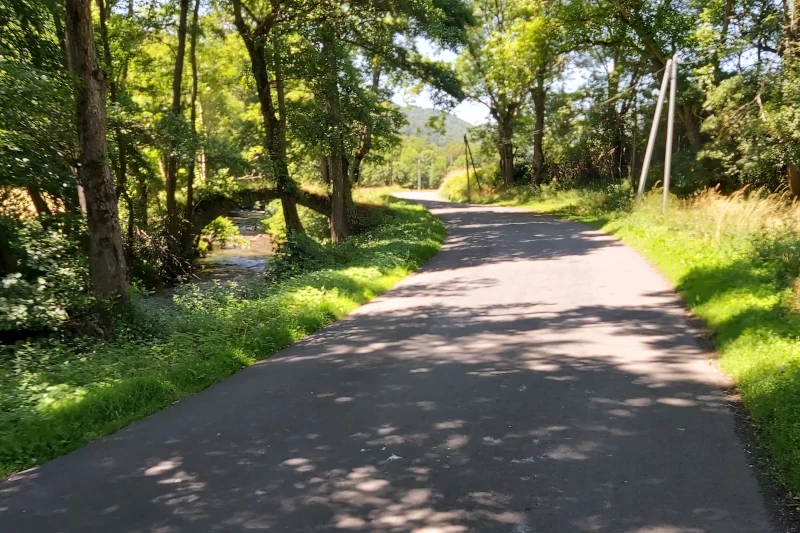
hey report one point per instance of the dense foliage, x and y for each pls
(186, 110)
(570, 89)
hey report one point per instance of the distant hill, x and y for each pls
(417, 117)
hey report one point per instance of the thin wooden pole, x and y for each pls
(648, 154)
(466, 160)
(673, 73)
(474, 168)
(632, 168)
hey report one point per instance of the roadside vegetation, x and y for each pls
(130, 131)
(735, 261)
(60, 392)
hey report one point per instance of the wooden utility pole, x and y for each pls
(419, 174)
(474, 168)
(673, 75)
(648, 154)
(466, 163)
(632, 167)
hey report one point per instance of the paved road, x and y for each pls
(534, 377)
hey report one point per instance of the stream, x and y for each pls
(234, 262)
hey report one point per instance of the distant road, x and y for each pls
(534, 377)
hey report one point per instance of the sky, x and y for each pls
(469, 110)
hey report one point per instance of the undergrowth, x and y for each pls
(735, 261)
(58, 393)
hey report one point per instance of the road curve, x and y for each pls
(534, 377)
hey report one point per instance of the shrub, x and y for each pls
(50, 283)
(483, 185)
(222, 230)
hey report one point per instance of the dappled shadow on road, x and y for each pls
(445, 407)
(351, 431)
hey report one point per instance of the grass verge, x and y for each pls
(57, 394)
(735, 261)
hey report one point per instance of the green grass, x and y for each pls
(735, 261)
(58, 394)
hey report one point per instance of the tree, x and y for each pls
(540, 44)
(255, 26)
(106, 257)
(176, 118)
(489, 71)
(187, 236)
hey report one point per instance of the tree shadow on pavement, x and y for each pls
(346, 431)
(426, 412)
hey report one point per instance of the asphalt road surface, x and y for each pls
(535, 376)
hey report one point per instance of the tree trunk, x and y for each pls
(143, 201)
(121, 168)
(275, 134)
(106, 257)
(691, 121)
(340, 216)
(55, 11)
(366, 139)
(539, 96)
(506, 150)
(324, 170)
(172, 163)
(42, 209)
(8, 261)
(793, 179)
(187, 235)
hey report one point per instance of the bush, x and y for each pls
(297, 254)
(484, 185)
(153, 262)
(50, 284)
(221, 231)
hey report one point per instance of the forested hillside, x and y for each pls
(436, 127)
(431, 145)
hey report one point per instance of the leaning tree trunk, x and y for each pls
(365, 144)
(106, 257)
(172, 162)
(275, 133)
(793, 179)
